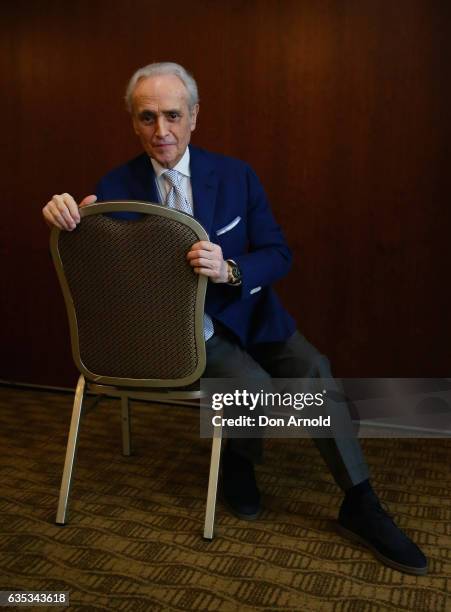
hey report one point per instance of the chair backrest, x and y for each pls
(134, 304)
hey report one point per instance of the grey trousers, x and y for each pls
(295, 358)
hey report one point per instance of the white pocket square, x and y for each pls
(228, 227)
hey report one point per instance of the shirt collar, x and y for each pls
(182, 166)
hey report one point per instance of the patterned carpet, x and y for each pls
(134, 542)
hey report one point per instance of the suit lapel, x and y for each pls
(145, 187)
(204, 183)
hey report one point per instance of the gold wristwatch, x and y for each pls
(234, 273)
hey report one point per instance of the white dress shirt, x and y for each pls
(163, 186)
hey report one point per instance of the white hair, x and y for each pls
(159, 68)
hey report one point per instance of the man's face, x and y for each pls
(162, 118)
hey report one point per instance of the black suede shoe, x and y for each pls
(366, 522)
(239, 487)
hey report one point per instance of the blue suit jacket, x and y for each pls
(229, 201)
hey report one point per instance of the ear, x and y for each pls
(135, 124)
(193, 118)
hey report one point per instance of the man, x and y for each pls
(247, 331)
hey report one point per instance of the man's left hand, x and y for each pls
(206, 258)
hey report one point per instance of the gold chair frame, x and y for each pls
(165, 390)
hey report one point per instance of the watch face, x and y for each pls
(236, 274)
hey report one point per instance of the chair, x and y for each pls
(135, 312)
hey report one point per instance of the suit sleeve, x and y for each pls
(268, 257)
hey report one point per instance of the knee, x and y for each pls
(306, 361)
(320, 366)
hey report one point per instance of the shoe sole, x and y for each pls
(407, 569)
(244, 517)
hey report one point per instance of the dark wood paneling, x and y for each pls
(343, 109)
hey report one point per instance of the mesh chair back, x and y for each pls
(135, 305)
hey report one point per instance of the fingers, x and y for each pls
(205, 245)
(90, 199)
(62, 211)
(205, 249)
(206, 259)
(204, 254)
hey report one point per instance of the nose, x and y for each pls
(161, 128)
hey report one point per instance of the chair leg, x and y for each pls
(213, 482)
(71, 452)
(125, 420)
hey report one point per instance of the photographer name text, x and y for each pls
(265, 421)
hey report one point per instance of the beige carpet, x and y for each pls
(134, 542)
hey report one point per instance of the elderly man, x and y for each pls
(247, 331)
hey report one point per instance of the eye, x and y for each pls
(147, 117)
(173, 115)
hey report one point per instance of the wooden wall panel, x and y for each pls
(341, 106)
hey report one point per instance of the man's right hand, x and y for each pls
(62, 211)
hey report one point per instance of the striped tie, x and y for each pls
(177, 199)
